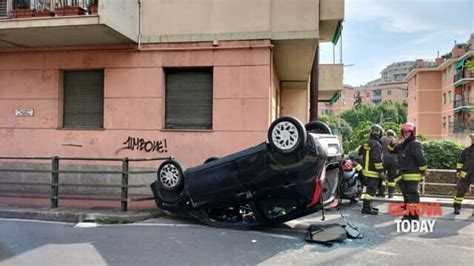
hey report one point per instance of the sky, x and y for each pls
(377, 33)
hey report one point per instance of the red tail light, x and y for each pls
(318, 184)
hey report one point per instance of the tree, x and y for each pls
(469, 66)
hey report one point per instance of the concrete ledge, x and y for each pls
(445, 202)
(79, 215)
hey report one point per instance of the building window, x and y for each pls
(449, 97)
(389, 92)
(188, 98)
(83, 99)
(444, 98)
(444, 121)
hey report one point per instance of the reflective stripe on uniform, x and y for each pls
(370, 174)
(378, 166)
(367, 197)
(458, 200)
(384, 183)
(391, 184)
(390, 147)
(423, 168)
(412, 177)
(463, 174)
(397, 179)
(459, 165)
(358, 167)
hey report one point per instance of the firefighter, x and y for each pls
(389, 165)
(411, 167)
(465, 174)
(372, 167)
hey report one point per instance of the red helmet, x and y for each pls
(347, 165)
(410, 127)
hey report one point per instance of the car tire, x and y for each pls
(318, 127)
(286, 134)
(210, 159)
(170, 176)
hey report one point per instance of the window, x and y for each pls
(444, 121)
(3, 8)
(377, 93)
(444, 98)
(83, 99)
(449, 97)
(188, 98)
(389, 92)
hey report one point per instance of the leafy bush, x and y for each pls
(441, 154)
(361, 134)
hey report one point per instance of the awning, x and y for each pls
(463, 109)
(460, 64)
(337, 33)
(335, 97)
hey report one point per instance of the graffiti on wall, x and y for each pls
(141, 144)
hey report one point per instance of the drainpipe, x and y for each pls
(313, 87)
(139, 24)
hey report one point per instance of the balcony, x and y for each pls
(330, 80)
(462, 77)
(377, 98)
(55, 23)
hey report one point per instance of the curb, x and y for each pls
(79, 215)
(445, 202)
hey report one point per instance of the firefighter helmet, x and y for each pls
(408, 127)
(376, 130)
(391, 133)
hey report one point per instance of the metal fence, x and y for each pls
(55, 177)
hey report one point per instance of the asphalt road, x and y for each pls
(173, 241)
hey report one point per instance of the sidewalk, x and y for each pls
(109, 212)
(76, 210)
(445, 202)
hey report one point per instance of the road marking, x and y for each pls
(383, 252)
(35, 221)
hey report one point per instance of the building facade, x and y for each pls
(390, 87)
(344, 102)
(158, 78)
(440, 98)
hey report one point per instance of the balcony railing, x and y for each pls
(460, 76)
(44, 8)
(463, 103)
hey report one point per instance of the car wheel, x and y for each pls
(208, 160)
(286, 134)
(170, 175)
(318, 127)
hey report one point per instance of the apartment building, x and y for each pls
(127, 78)
(390, 87)
(440, 98)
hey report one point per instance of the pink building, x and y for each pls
(157, 78)
(441, 101)
(344, 101)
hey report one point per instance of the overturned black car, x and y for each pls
(293, 174)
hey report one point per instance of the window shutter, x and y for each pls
(83, 99)
(189, 98)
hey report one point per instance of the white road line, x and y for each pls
(34, 221)
(383, 252)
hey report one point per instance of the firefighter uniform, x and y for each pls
(411, 169)
(465, 171)
(390, 168)
(372, 168)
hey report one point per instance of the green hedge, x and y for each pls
(441, 154)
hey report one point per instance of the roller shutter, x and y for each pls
(189, 98)
(83, 99)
